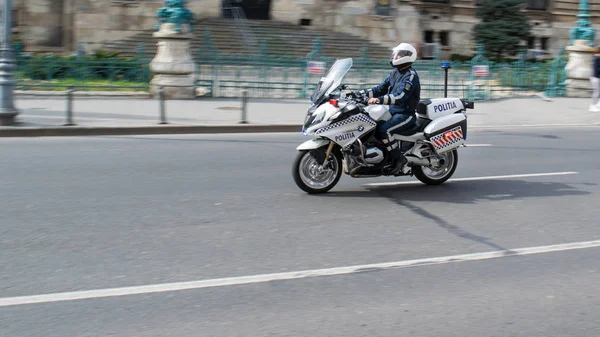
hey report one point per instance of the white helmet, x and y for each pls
(403, 54)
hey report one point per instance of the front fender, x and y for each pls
(312, 144)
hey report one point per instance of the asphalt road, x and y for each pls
(110, 212)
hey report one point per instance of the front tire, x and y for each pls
(438, 175)
(313, 179)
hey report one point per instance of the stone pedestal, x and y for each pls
(173, 66)
(579, 69)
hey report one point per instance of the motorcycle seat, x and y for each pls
(416, 127)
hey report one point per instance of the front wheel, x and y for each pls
(314, 178)
(439, 173)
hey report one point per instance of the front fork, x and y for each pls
(329, 149)
(323, 158)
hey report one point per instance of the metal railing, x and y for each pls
(267, 76)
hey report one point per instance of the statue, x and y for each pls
(175, 12)
(173, 65)
(581, 48)
(584, 30)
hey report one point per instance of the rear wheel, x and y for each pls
(439, 173)
(314, 178)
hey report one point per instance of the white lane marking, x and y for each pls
(478, 145)
(262, 278)
(531, 175)
(509, 126)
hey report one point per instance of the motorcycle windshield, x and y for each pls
(332, 81)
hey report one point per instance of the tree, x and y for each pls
(502, 27)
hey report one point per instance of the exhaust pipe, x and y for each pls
(417, 161)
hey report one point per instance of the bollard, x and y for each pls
(161, 99)
(244, 102)
(70, 107)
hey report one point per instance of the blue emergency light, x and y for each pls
(446, 65)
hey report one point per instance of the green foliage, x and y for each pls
(91, 85)
(502, 28)
(105, 54)
(102, 65)
(460, 58)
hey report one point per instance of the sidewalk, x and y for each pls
(95, 116)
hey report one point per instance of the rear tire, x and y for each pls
(310, 178)
(438, 176)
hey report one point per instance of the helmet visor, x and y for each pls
(397, 54)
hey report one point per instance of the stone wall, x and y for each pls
(96, 22)
(65, 23)
(413, 18)
(353, 17)
(48, 25)
(40, 22)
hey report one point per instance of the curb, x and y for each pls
(73, 131)
(41, 94)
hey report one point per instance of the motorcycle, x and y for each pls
(344, 125)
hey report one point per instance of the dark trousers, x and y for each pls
(397, 124)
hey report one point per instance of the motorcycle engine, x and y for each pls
(374, 155)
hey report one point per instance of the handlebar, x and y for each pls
(363, 100)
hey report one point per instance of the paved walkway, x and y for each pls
(139, 113)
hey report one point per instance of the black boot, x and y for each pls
(398, 163)
(397, 158)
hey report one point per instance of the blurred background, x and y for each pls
(280, 48)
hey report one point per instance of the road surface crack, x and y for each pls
(452, 229)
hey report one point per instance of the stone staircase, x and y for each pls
(279, 38)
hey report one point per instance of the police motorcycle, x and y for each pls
(343, 127)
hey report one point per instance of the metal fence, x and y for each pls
(268, 76)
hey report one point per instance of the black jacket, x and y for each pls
(401, 90)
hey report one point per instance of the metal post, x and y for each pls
(70, 107)
(8, 112)
(161, 99)
(446, 66)
(244, 103)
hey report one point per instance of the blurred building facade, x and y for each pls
(59, 25)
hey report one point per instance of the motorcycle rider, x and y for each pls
(401, 91)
